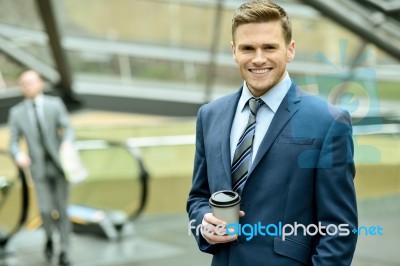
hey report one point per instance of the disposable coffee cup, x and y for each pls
(225, 205)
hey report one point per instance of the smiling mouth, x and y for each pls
(260, 71)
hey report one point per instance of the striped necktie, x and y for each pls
(42, 136)
(39, 128)
(244, 149)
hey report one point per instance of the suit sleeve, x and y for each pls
(197, 204)
(63, 122)
(335, 195)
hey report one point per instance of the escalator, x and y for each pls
(14, 201)
(115, 192)
(106, 203)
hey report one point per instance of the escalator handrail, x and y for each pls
(136, 155)
(24, 205)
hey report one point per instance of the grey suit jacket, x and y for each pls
(56, 129)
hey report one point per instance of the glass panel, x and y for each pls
(151, 27)
(28, 44)
(334, 50)
(21, 25)
(169, 161)
(9, 71)
(143, 21)
(113, 180)
(22, 13)
(165, 41)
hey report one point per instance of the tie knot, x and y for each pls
(255, 104)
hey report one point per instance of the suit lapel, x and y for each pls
(227, 115)
(46, 117)
(284, 113)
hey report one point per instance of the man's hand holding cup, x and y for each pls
(225, 205)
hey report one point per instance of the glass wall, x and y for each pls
(171, 41)
(21, 13)
(159, 41)
(8, 72)
(23, 43)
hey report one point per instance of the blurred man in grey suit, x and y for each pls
(43, 122)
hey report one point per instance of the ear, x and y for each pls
(233, 51)
(290, 53)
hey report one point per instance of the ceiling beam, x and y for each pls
(47, 14)
(357, 24)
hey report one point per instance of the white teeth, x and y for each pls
(260, 71)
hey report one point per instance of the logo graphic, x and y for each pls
(353, 87)
(249, 231)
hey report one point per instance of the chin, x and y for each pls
(260, 89)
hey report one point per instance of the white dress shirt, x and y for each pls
(272, 100)
(38, 100)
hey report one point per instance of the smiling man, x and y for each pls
(288, 154)
(262, 51)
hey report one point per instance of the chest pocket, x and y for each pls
(296, 140)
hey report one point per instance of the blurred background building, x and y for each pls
(133, 74)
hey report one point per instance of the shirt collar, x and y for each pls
(38, 100)
(272, 98)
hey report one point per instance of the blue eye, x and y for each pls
(270, 47)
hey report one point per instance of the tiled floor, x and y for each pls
(157, 240)
(163, 240)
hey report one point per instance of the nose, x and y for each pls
(259, 58)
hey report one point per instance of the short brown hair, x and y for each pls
(258, 11)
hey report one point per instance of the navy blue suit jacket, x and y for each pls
(303, 173)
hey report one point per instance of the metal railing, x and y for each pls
(5, 237)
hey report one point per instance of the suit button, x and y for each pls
(235, 242)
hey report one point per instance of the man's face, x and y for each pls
(261, 53)
(31, 84)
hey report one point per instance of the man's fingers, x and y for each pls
(214, 230)
(213, 238)
(211, 219)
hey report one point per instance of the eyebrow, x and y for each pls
(241, 46)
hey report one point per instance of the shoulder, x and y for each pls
(17, 108)
(220, 104)
(316, 117)
(52, 100)
(318, 108)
